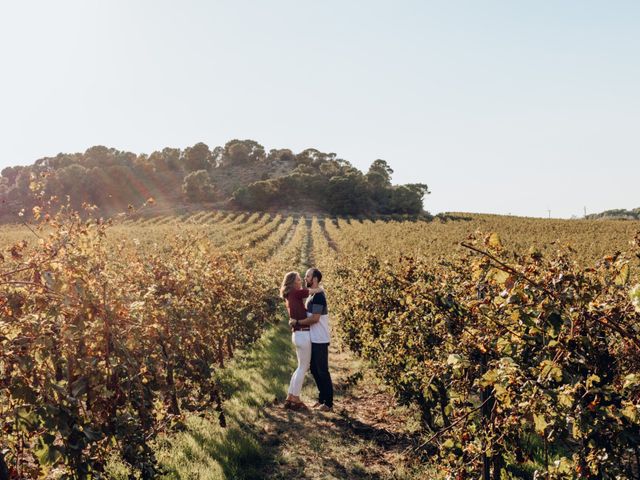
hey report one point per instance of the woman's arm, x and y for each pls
(305, 292)
(313, 291)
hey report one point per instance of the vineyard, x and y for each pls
(514, 341)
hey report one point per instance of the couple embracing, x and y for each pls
(310, 334)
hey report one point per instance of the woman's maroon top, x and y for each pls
(295, 303)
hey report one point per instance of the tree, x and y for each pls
(240, 152)
(348, 194)
(419, 189)
(4, 189)
(197, 157)
(156, 160)
(379, 174)
(408, 198)
(166, 160)
(257, 195)
(197, 187)
(379, 183)
(11, 173)
(63, 160)
(71, 181)
(98, 155)
(311, 156)
(283, 155)
(172, 157)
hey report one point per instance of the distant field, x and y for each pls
(440, 238)
(592, 239)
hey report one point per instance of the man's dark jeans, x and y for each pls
(320, 372)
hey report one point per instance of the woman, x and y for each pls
(293, 294)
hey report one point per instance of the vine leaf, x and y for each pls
(623, 275)
(540, 423)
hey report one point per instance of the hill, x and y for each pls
(240, 174)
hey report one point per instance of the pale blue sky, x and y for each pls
(499, 106)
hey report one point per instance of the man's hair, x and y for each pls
(315, 273)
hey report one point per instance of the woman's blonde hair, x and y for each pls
(287, 284)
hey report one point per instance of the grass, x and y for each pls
(255, 378)
(206, 451)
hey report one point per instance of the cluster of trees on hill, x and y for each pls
(240, 173)
(322, 181)
(618, 213)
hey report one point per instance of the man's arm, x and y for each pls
(315, 318)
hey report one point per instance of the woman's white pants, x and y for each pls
(302, 341)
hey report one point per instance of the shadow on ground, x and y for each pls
(360, 440)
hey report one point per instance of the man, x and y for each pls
(318, 320)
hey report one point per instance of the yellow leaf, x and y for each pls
(494, 241)
(498, 276)
(630, 411)
(540, 423)
(623, 275)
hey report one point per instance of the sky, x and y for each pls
(510, 107)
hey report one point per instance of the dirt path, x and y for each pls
(364, 437)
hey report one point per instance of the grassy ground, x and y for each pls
(364, 438)
(253, 380)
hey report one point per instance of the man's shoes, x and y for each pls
(316, 405)
(324, 408)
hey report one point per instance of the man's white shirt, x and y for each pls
(319, 332)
